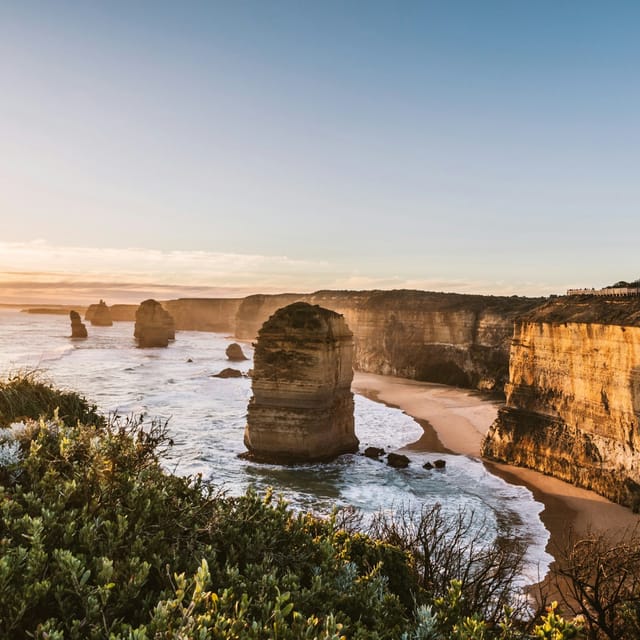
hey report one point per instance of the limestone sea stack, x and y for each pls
(154, 325)
(78, 329)
(99, 315)
(302, 405)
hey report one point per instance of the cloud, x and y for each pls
(39, 272)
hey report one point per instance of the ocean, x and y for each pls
(206, 419)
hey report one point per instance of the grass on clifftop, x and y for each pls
(98, 541)
(24, 396)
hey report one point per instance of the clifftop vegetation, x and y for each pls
(98, 541)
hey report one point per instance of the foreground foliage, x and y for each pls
(98, 541)
(25, 396)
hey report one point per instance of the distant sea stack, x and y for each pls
(302, 405)
(99, 315)
(573, 397)
(154, 325)
(78, 329)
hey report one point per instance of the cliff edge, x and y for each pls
(573, 397)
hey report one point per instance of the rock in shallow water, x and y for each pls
(234, 352)
(228, 373)
(398, 461)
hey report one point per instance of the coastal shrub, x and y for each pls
(600, 581)
(98, 541)
(94, 537)
(25, 396)
(461, 548)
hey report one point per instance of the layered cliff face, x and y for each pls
(439, 337)
(302, 405)
(204, 314)
(573, 400)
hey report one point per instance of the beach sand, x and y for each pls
(456, 420)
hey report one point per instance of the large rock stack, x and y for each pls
(99, 315)
(302, 405)
(154, 325)
(78, 329)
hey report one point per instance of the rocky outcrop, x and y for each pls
(154, 325)
(302, 405)
(398, 461)
(455, 339)
(78, 329)
(99, 315)
(573, 399)
(234, 352)
(228, 373)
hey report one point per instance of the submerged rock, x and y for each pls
(302, 405)
(78, 328)
(154, 325)
(373, 452)
(234, 352)
(439, 464)
(228, 373)
(99, 315)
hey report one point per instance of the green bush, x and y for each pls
(98, 541)
(24, 396)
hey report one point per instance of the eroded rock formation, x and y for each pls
(302, 405)
(99, 315)
(573, 397)
(234, 352)
(78, 329)
(154, 325)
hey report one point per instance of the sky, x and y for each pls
(223, 148)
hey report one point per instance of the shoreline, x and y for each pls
(456, 420)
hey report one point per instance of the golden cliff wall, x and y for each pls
(454, 339)
(573, 405)
(204, 314)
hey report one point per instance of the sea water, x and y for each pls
(206, 420)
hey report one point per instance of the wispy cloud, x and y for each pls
(38, 271)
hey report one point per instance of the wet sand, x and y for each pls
(456, 421)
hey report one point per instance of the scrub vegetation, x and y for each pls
(97, 540)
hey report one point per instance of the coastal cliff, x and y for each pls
(204, 314)
(573, 396)
(449, 338)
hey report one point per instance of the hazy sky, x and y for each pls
(481, 146)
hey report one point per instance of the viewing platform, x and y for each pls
(611, 292)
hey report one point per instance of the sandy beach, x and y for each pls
(456, 420)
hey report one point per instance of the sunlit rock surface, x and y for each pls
(302, 405)
(78, 328)
(573, 397)
(99, 315)
(154, 325)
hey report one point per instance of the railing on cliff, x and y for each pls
(613, 292)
